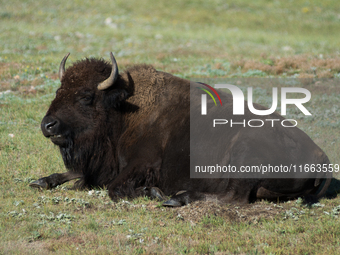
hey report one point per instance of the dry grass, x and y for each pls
(308, 66)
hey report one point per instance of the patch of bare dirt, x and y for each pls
(5, 70)
(20, 247)
(26, 90)
(58, 243)
(307, 66)
(196, 211)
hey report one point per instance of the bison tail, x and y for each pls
(327, 182)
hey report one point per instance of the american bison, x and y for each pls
(130, 132)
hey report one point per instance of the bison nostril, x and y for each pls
(50, 125)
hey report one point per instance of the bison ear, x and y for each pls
(119, 92)
(114, 97)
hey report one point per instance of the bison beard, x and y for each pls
(130, 132)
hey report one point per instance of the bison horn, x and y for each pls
(62, 66)
(113, 76)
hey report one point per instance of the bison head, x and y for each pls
(90, 91)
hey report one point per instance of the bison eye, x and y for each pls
(86, 99)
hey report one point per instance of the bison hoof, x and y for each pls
(172, 203)
(41, 183)
(157, 193)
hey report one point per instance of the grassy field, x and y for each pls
(295, 40)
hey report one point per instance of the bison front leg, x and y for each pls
(184, 198)
(125, 191)
(139, 178)
(54, 180)
(152, 192)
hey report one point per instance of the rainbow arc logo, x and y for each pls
(204, 97)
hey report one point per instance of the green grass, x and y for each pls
(192, 39)
(39, 33)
